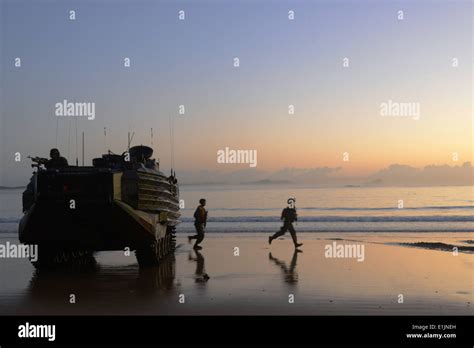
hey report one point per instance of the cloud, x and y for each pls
(397, 174)
(393, 175)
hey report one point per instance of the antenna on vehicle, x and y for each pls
(151, 137)
(130, 138)
(105, 139)
(69, 140)
(77, 154)
(171, 125)
(83, 149)
(57, 130)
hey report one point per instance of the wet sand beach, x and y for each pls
(262, 279)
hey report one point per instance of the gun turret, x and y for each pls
(38, 161)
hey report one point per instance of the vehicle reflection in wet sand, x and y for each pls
(103, 290)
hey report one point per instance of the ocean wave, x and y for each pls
(313, 224)
(238, 229)
(9, 220)
(423, 218)
(332, 218)
(433, 207)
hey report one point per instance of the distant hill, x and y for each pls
(375, 182)
(11, 187)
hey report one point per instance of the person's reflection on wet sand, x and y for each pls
(200, 275)
(289, 273)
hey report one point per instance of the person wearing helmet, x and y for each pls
(288, 215)
(56, 160)
(200, 220)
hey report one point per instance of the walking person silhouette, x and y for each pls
(288, 215)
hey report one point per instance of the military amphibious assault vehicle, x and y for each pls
(122, 202)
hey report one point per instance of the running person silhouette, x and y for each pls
(288, 215)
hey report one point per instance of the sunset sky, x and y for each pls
(282, 62)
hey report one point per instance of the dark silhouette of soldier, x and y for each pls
(56, 160)
(200, 220)
(288, 215)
